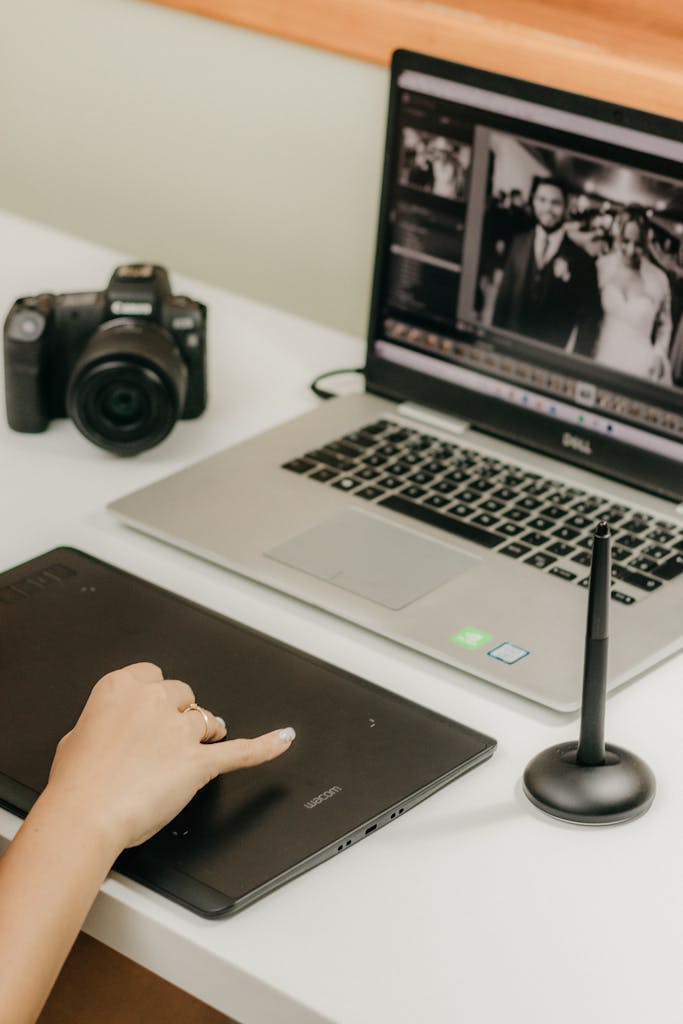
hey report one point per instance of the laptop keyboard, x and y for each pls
(544, 523)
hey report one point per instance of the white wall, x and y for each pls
(235, 157)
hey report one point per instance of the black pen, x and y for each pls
(591, 749)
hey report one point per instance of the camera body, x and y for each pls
(124, 363)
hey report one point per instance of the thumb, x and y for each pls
(230, 755)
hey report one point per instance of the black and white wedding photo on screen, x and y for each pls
(585, 256)
(433, 163)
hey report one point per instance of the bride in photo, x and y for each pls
(635, 333)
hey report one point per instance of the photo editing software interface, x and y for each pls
(536, 256)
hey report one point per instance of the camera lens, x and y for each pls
(123, 404)
(128, 386)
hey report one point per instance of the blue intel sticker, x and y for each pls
(508, 653)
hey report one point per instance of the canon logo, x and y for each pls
(579, 444)
(322, 797)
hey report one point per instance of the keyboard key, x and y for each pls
(530, 503)
(378, 427)
(579, 522)
(539, 523)
(345, 483)
(621, 554)
(536, 540)
(637, 579)
(582, 558)
(491, 506)
(587, 505)
(564, 574)
(323, 475)
(370, 492)
(510, 529)
(660, 536)
(670, 569)
(421, 477)
(504, 493)
(460, 510)
(560, 549)
(514, 550)
(552, 512)
(629, 540)
(643, 564)
(437, 501)
(392, 483)
(367, 473)
(442, 521)
(413, 492)
(343, 448)
(468, 495)
(330, 458)
(565, 533)
(622, 598)
(638, 524)
(517, 514)
(485, 519)
(540, 560)
(655, 551)
(299, 465)
(361, 438)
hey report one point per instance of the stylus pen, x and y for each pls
(591, 749)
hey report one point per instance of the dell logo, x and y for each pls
(579, 444)
(322, 797)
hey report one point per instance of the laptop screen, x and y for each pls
(530, 267)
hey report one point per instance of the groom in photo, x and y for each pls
(549, 289)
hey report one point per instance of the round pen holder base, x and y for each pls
(621, 788)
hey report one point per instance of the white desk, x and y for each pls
(473, 907)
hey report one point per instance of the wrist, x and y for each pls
(69, 816)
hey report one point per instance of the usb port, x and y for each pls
(371, 829)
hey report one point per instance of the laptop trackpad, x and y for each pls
(388, 564)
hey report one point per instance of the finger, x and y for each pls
(180, 694)
(228, 757)
(204, 725)
(144, 672)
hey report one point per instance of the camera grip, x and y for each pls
(24, 380)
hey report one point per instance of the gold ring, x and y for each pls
(202, 712)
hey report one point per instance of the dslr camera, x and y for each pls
(124, 363)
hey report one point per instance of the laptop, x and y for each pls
(524, 380)
(361, 759)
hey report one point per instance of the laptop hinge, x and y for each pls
(429, 418)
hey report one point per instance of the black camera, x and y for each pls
(124, 363)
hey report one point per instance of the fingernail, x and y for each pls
(286, 735)
(220, 721)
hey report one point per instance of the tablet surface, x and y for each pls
(361, 758)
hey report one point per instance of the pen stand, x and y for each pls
(590, 782)
(620, 788)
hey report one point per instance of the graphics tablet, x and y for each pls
(362, 756)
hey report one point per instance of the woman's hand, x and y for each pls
(139, 752)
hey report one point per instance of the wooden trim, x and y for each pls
(626, 51)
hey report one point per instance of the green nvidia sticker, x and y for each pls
(471, 638)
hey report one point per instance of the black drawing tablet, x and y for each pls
(362, 755)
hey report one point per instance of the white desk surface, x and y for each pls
(474, 907)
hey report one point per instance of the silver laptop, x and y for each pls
(524, 380)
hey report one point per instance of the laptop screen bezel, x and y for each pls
(626, 463)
